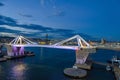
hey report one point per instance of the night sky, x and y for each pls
(63, 18)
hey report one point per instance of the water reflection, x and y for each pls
(51, 66)
(19, 71)
(1, 70)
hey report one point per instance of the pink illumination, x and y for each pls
(81, 61)
(14, 50)
(21, 51)
(65, 47)
(50, 46)
(17, 50)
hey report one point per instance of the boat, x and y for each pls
(108, 68)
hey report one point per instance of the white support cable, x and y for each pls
(80, 41)
(28, 40)
(59, 43)
(16, 39)
(20, 40)
(84, 41)
(12, 42)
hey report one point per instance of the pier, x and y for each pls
(108, 46)
(87, 65)
(5, 58)
(75, 73)
(100, 63)
(116, 70)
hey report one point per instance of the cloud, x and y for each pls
(7, 34)
(20, 29)
(26, 15)
(42, 2)
(10, 27)
(7, 20)
(1, 4)
(57, 13)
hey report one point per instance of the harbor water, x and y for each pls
(49, 63)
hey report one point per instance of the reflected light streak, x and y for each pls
(19, 71)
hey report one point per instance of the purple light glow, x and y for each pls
(17, 50)
(81, 61)
(14, 50)
(66, 47)
(21, 51)
(50, 46)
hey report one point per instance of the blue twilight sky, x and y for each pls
(97, 18)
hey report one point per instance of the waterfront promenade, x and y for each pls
(116, 70)
(108, 46)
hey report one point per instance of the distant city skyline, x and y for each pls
(97, 18)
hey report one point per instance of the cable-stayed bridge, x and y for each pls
(81, 43)
(16, 47)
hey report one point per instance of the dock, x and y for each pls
(87, 65)
(116, 70)
(100, 63)
(108, 47)
(5, 57)
(14, 57)
(75, 73)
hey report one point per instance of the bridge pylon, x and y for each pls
(80, 41)
(83, 48)
(16, 48)
(20, 40)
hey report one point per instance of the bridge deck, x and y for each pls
(50, 46)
